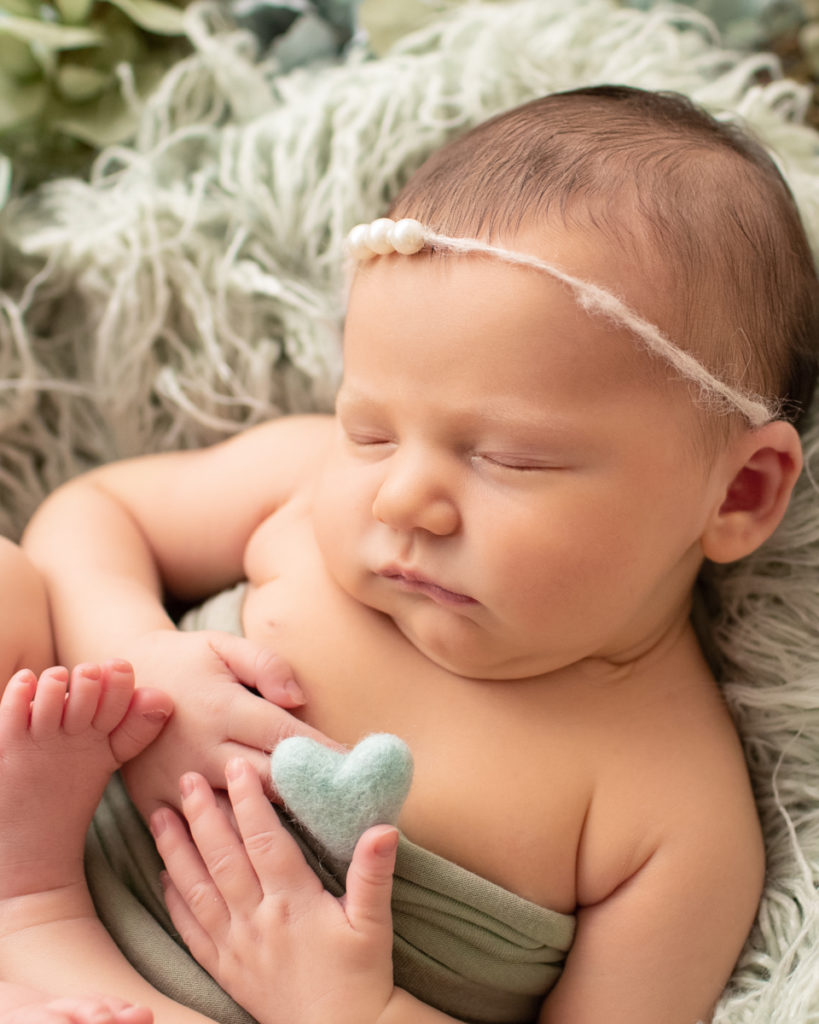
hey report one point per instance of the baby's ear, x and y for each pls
(761, 469)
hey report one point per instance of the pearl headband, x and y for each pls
(408, 236)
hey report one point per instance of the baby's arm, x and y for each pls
(661, 946)
(25, 626)
(112, 543)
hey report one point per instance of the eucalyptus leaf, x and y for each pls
(24, 8)
(16, 59)
(154, 16)
(47, 34)
(108, 119)
(77, 84)
(74, 12)
(105, 127)
(20, 102)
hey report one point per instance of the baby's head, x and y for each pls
(513, 480)
(691, 210)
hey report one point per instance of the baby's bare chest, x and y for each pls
(512, 777)
(496, 786)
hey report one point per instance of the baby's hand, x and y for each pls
(260, 922)
(229, 694)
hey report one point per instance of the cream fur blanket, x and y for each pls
(194, 286)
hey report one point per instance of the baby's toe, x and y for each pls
(84, 692)
(145, 719)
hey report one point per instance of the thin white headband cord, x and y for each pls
(408, 236)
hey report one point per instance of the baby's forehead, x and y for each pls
(567, 264)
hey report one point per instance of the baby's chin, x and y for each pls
(446, 637)
(470, 657)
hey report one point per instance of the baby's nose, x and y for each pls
(416, 496)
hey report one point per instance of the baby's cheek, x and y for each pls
(337, 537)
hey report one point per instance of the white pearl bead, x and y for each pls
(358, 242)
(381, 236)
(408, 236)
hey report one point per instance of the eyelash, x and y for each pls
(503, 463)
(362, 440)
(366, 440)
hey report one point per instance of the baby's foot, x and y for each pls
(61, 737)
(76, 1010)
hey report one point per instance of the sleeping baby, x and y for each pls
(574, 355)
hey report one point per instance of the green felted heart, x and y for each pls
(338, 796)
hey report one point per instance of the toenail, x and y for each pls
(25, 675)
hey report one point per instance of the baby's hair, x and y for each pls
(650, 172)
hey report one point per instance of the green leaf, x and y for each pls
(74, 12)
(20, 102)
(154, 16)
(48, 35)
(16, 59)
(23, 8)
(108, 119)
(106, 127)
(78, 84)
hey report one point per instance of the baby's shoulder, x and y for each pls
(282, 453)
(676, 787)
(298, 435)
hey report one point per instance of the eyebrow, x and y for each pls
(491, 414)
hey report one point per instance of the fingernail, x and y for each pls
(158, 823)
(156, 716)
(294, 691)
(234, 769)
(186, 784)
(387, 843)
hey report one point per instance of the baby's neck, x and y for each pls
(673, 647)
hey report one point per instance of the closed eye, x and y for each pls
(366, 438)
(358, 438)
(517, 463)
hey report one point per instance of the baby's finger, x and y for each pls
(218, 842)
(258, 666)
(199, 941)
(369, 882)
(255, 722)
(187, 872)
(279, 863)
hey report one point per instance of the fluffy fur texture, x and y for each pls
(195, 286)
